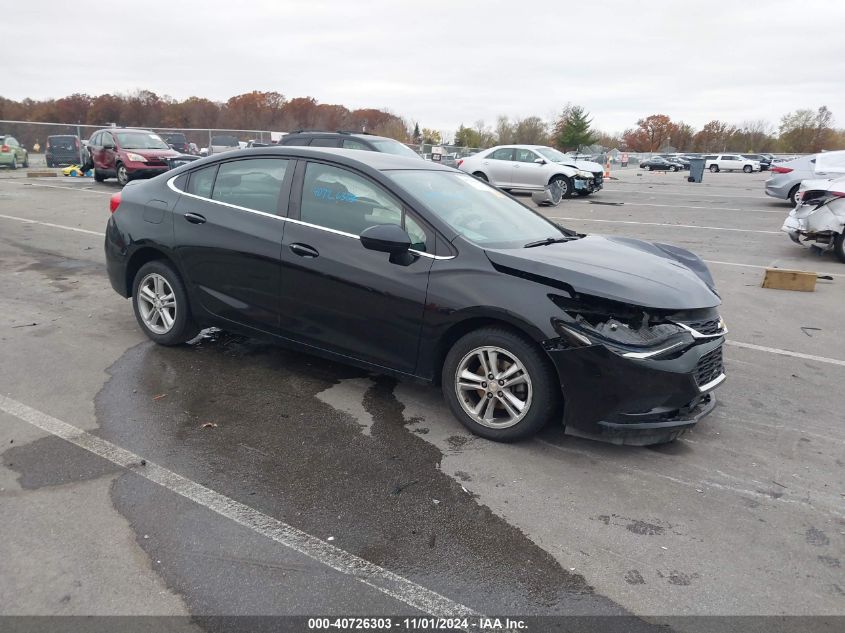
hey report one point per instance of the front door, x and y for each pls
(107, 154)
(229, 225)
(526, 173)
(339, 296)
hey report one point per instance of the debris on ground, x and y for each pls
(807, 330)
(400, 487)
(160, 396)
(782, 279)
(209, 425)
(24, 325)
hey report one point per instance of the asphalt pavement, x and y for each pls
(229, 477)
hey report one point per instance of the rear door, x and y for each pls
(499, 167)
(339, 296)
(228, 227)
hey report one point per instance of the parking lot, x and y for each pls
(239, 478)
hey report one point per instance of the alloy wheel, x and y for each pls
(122, 175)
(157, 303)
(493, 387)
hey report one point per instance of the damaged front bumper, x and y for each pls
(637, 399)
(585, 185)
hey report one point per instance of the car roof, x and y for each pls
(379, 161)
(363, 135)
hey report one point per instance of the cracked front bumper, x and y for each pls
(637, 401)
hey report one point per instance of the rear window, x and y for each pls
(225, 141)
(389, 146)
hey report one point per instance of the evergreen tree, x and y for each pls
(417, 136)
(572, 128)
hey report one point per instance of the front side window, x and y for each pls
(479, 212)
(253, 184)
(505, 153)
(339, 199)
(525, 156)
(107, 139)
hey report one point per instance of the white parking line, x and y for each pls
(677, 226)
(363, 571)
(35, 184)
(51, 225)
(681, 193)
(678, 206)
(786, 352)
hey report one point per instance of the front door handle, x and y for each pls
(195, 218)
(303, 250)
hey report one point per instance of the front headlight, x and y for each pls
(583, 174)
(135, 158)
(615, 331)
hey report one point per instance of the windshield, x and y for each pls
(140, 140)
(389, 146)
(553, 155)
(480, 213)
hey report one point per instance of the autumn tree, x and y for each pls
(805, 131)
(652, 133)
(715, 136)
(572, 128)
(431, 137)
(531, 130)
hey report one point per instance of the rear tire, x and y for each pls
(164, 292)
(748, 169)
(538, 393)
(98, 175)
(674, 169)
(647, 167)
(481, 176)
(14, 164)
(793, 195)
(714, 169)
(839, 247)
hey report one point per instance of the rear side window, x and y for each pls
(502, 154)
(324, 142)
(224, 141)
(202, 181)
(253, 184)
(297, 141)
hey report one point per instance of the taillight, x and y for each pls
(838, 194)
(114, 202)
(459, 162)
(781, 170)
(4, 148)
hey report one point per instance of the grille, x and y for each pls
(711, 326)
(709, 367)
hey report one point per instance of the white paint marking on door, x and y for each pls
(677, 226)
(51, 225)
(288, 536)
(786, 352)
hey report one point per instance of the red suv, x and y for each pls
(127, 154)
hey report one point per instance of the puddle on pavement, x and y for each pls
(271, 428)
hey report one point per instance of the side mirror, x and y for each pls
(108, 146)
(540, 161)
(386, 238)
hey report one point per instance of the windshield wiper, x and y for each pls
(548, 240)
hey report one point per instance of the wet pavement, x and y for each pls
(743, 516)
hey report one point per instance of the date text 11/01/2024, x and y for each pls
(417, 624)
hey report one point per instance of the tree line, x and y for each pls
(801, 131)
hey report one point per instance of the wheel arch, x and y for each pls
(477, 321)
(144, 255)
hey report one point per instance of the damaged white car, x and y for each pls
(819, 216)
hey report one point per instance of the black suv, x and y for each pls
(64, 149)
(177, 141)
(764, 159)
(348, 140)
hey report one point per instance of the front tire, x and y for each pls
(714, 169)
(122, 175)
(839, 247)
(748, 169)
(161, 305)
(674, 169)
(565, 185)
(522, 396)
(647, 167)
(26, 161)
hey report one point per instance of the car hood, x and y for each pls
(822, 184)
(623, 269)
(586, 165)
(154, 153)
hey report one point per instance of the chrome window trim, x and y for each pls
(171, 184)
(643, 355)
(713, 383)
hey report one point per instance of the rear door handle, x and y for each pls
(195, 218)
(303, 250)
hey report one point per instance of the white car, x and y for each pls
(530, 167)
(730, 162)
(819, 216)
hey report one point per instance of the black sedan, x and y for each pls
(414, 269)
(658, 163)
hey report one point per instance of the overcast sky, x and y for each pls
(443, 63)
